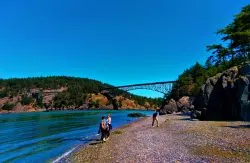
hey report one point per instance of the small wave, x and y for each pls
(64, 155)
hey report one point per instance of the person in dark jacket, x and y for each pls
(154, 118)
(103, 129)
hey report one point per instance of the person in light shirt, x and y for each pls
(109, 125)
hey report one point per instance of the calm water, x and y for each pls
(41, 137)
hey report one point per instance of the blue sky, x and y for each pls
(115, 41)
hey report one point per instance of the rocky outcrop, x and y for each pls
(112, 99)
(185, 104)
(92, 101)
(121, 102)
(225, 96)
(168, 107)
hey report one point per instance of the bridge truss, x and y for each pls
(162, 87)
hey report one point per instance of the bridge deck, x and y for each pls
(144, 84)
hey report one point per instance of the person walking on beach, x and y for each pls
(103, 129)
(109, 125)
(154, 118)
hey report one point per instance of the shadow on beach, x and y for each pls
(92, 141)
(239, 126)
(95, 143)
(186, 119)
(81, 139)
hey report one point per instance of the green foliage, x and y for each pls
(26, 100)
(55, 82)
(220, 51)
(142, 100)
(39, 102)
(237, 35)
(3, 94)
(119, 103)
(91, 104)
(8, 106)
(94, 104)
(189, 82)
(69, 98)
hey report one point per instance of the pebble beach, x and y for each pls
(177, 139)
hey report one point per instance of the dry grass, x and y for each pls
(219, 124)
(117, 132)
(215, 151)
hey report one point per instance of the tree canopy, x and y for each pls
(234, 50)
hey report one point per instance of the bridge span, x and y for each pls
(162, 87)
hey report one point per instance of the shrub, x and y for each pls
(3, 94)
(40, 102)
(26, 100)
(97, 105)
(8, 106)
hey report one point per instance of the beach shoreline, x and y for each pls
(89, 109)
(176, 139)
(67, 155)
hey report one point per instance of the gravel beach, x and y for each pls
(177, 139)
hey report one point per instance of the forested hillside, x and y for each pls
(62, 92)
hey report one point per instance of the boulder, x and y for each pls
(169, 107)
(111, 98)
(195, 114)
(83, 107)
(184, 104)
(110, 107)
(245, 70)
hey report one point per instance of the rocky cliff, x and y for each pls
(92, 101)
(225, 96)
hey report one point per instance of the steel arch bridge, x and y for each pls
(162, 87)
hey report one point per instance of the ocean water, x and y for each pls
(46, 136)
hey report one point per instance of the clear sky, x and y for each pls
(115, 41)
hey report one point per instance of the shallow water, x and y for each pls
(44, 136)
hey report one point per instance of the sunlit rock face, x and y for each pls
(185, 104)
(169, 107)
